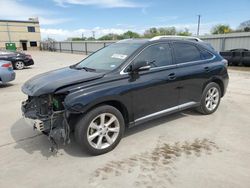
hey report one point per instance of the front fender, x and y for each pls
(83, 100)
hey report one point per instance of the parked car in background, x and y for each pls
(7, 73)
(237, 57)
(18, 59)
(122, 85)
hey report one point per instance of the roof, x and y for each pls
(176, 37)
(21, 21)
(133, 41)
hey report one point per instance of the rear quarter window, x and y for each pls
(185, 52)
(206, 55)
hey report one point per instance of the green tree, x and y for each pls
(244, 26)
(149, 33)
(221, 29)
(130, 34)
(152, 32)
(78, 38)
(90, 38)
(184, 33)
(167, 31)
(111, 36)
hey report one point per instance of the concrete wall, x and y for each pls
(17, 31)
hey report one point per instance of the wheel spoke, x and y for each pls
(111, 120)
(102, 118)
(208, 103)
(207, 98)
(94, 126)
(99, 142)
(215, 95)
(93, 136)
(212, 91)
(109, 140)
(113, 129)
(210, 106)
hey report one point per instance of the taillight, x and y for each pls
(28, 56)
(7, 65)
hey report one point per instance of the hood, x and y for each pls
(51, 81)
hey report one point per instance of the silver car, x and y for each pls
(7, 73)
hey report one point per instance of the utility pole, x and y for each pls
(8, 31)
(82, 36)
(199, 21)
(93, 34)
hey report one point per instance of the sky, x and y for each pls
(60, 19)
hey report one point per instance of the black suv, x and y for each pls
(122, 85)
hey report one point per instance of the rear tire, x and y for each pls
(210, 99)
(100, 130)
(19, 65)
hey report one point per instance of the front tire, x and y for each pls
(100, 130)
(210, 99)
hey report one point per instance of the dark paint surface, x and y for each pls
(49, 82)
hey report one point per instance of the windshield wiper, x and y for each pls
(85, 68)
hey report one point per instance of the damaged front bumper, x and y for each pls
(48, 118)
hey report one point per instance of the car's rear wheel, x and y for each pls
(210, 99)
(19, 65)
(100, 130)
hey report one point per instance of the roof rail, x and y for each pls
(176, 37)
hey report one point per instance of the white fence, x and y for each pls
(228, 41)
(219, 42)
(86, 47)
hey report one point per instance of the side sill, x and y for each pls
(163, 113)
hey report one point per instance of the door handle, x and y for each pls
(206, 69)
(171, 76)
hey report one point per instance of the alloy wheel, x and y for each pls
(212, 98)
(103, 131)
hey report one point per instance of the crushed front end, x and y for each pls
(48, 115)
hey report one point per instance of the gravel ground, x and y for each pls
(181, 150)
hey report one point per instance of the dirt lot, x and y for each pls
(182, 150)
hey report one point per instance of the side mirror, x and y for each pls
(139, 66)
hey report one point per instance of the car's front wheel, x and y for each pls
(19, 65)
(100, 130)
(210, 99)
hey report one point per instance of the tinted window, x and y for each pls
(186, 52)
(31, 29)
(33, 43)
(206, 55)
(157, 55)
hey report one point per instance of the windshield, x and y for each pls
(109, 57)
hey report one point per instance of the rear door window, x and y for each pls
(185, 52)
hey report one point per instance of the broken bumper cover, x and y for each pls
(32, 119)
(35, 123)
(54, 125)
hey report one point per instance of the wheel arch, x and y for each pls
(114, 103)
(217, 81)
